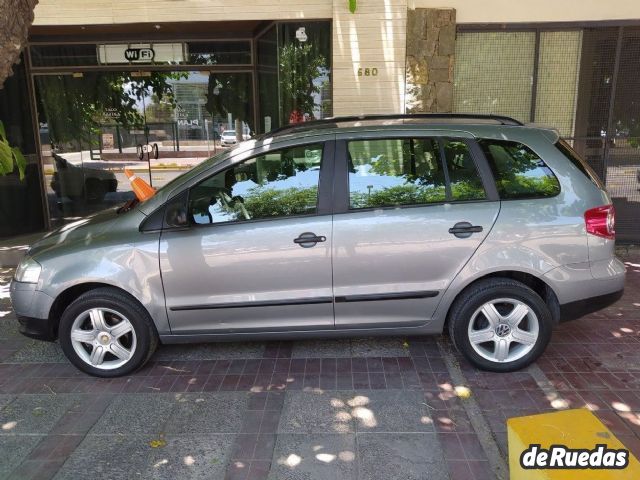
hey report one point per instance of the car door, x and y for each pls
(255, 254)
(411, 209)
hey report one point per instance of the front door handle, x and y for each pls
(309, 239)
(464, 229)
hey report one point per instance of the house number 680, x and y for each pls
(368, 72)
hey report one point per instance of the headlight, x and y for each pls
(28, 271)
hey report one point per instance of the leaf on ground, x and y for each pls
(462, 391)
(405, 344)
(158, 443)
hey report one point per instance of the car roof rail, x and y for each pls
(334, 121)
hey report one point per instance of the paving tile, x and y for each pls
(15, 449)
(35, 414)
(379, 347)
(210, 351)
(409, 455)
(317, 412)
(316, 456)
(390, 411)
(322, 348)
(36, 351)
(206, 413)
(192, 456)
(136, 413)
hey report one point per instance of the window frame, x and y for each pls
(321, 201)
(341, 179)
(495, 181)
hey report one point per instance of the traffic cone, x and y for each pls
(142, 189)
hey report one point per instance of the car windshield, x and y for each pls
(229, 132)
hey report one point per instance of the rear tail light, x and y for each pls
(601, 221)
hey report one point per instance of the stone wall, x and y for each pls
(431, 42)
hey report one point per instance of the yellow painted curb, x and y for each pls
(574, 429)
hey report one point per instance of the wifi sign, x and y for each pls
(139, 54)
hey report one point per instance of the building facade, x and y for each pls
(153, 85)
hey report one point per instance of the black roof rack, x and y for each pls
(334, 121)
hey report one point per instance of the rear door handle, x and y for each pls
(464, 229)
(309, 239)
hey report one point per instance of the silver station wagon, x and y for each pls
(374, 225)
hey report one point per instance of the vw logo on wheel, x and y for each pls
(503, 330)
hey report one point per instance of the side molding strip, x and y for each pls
(386, 296)
(266, 303)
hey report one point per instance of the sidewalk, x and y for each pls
(349, 409)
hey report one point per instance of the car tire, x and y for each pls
(113, 334)
(500, 324)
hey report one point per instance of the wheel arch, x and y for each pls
(69, 295)
(538, 285)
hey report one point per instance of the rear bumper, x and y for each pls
(580, 308)
(584, 281)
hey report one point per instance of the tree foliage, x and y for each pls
(10, 157)
(75, 107)
(300, 64)
(230, 93)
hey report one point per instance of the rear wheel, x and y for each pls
(106, 333)
(500, 325)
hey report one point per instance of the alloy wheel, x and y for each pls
(103, 338)
(503, 330)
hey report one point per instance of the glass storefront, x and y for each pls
(158, 109)
(21, 203)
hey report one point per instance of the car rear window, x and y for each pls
(519, 172)
(579, 163)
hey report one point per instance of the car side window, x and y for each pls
(519, 172)
(400, 171)
(410, 171)
(465, 181)
(280, 183)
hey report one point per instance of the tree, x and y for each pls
(230, 93)
(15, 20)
(74, 108)
(300, 65)
(10, 157)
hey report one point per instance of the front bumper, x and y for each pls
(38, 328)
(32, 308)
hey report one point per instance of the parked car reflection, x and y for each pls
(77, 183)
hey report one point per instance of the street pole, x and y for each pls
(206, 129)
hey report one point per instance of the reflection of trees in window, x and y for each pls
(230, 93)
(277, 184)
(265, 201)
(300, 65)
(75, 107)
(518, 171)
(463, 175)
(412, 164)
(407, 194)
(410, 172)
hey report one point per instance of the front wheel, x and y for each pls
(106, 333)
(500, 325)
